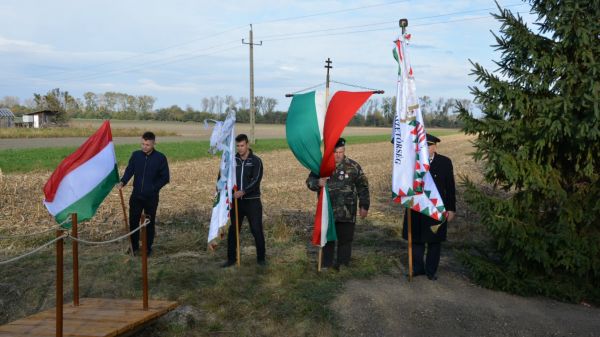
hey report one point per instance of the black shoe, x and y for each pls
(262, 263)
(227, 264)
(432, 277)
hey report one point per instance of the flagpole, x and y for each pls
(403, 24)
(125, 219)
(75, 251)
(327, 66)
(410, 259)
(237, 229)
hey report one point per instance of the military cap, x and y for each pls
(431, 139)
(341, 142)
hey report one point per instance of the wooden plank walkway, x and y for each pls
(94, 317)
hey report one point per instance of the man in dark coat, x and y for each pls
(346, 184)
(249, 173)
(150, 170)
(422, 234)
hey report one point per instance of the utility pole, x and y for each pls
(328, 66)
(252, 108)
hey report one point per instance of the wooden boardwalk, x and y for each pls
(93, 317)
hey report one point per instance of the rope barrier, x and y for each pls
(111, 240)
(49, 243)
(66, 235)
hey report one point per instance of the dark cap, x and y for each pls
(431, 139)
(341, 142)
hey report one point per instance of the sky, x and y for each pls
(182, 50)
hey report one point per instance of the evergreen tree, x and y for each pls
(539, 144)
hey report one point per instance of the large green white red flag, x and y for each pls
(83, 179)
(222, 139)
(412, 185)
(311, 122)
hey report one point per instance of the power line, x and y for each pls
(157, 62)
(332, 12)
(141, 54)
(217, 34)
(266, 38)
(377, 29)
(274, 37)
(303, 35)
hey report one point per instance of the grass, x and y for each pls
(288, 297)
(44, 159)
(85, 131)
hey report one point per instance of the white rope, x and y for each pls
(17, 258)
(146, 222)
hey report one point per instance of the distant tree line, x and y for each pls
(378, 111)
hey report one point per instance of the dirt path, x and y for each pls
(451, 306)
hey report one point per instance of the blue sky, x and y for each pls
(181, 51)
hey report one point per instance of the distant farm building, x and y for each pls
(39, 119)
(7, 118)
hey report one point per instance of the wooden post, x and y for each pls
(145, 267)
(237, 232)
(251, 44)
(320, 259)
(125, 219)
(410, 259)
(59, 284)
(124, 211)
(75, 260)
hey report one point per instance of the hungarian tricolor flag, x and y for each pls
(311, 122)
(412, 185)
(83, 179)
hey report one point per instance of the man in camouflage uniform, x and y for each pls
(347, 182)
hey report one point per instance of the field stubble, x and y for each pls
(286, 298)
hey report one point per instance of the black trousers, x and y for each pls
(149, 207)
(432, 260)
(251, 209)
(345, 235)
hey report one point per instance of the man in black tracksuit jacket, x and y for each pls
(150, 170)
(249, 172)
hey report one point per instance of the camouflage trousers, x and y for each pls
(345, 235)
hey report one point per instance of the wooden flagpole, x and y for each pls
(328, 66)
(410, 258)
(403, 24)
(75, 260)
(144, 264)
(125, 219)
(59, 283)
(237, 230)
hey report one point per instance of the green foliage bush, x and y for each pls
(539, 142)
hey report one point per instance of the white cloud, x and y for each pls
(152, 85)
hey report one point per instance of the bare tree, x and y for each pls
(205, 104)
(269, 104)
(9, 102)
(230, 102)
(243, 102)
(259, 104)
(220, 104)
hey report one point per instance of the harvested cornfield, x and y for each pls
(188, 198)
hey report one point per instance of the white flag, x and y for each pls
(222, 139)
(412, 184)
